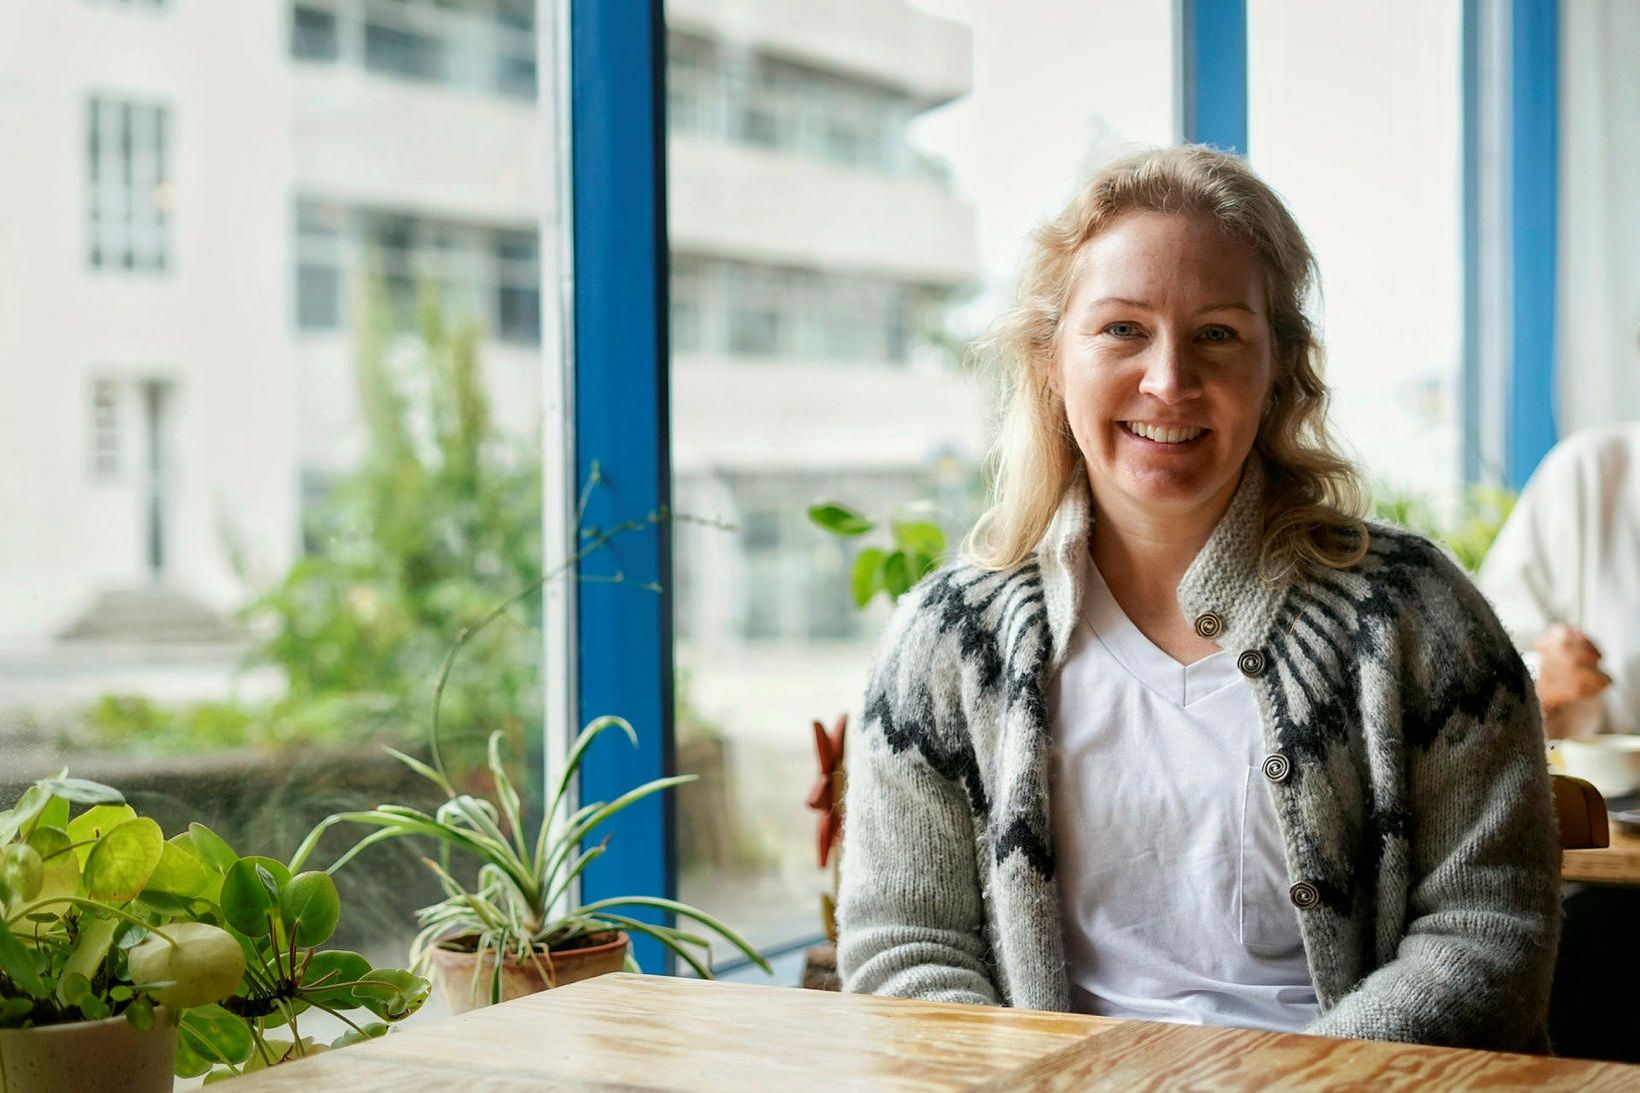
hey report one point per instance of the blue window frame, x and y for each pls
(1534, 163)
(623, 634)
(1511, 235)
(1212, 73)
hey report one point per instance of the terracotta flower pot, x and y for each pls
(106, 1056)
(454, 965)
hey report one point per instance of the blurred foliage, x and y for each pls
(440, 521)
(916, 549)
(1467, 531)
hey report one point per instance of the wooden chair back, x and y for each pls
(1582, 813)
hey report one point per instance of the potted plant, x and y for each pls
(510, 933)
(125, 956)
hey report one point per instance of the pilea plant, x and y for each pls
(103, 915)
(917, 549)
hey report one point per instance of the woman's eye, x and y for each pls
(1218, 334)
(1122, 330)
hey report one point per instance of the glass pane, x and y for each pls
(1358, 107)
(850, 186)
(279, 383)
(1599, 321)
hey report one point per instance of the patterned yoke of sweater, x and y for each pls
(1416, 805)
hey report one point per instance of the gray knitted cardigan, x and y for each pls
(1415, 810)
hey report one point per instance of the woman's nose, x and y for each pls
(1169, 375)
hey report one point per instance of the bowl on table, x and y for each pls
(1610, 762)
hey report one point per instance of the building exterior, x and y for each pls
(193, 194)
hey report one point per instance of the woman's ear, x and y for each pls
(1048, 368)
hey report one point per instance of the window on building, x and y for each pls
(314, 34)
(518, 286)
(403, 51)
(686, 306)
(319, 262)
(748, 98)
(129, 185)
(749, 309)
(482, 46)
(105, 429)
(486, 274)
(515, 48)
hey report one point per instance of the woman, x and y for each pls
(1183, 738)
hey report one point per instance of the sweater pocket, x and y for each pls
(1268, 923)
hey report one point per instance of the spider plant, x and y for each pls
(514, 912)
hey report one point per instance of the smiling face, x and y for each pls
(1164, 360)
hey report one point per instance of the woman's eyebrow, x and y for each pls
(1123, 301)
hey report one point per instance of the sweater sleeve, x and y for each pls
(1474, 964)
(910, 913)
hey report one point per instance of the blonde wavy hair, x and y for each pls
(1314, 499)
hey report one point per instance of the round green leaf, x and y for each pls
(180, 873)
(867, 577)
(391, 994)
(119, 866)
(246, 900)
(210, 1034)
(83, 791)
(94, 823)
(21, 873)
(204, 965)
(311, 907)
(61, 872)
(897, 577)
(330, 977)
(839, 519)
(920, 536)
(21, 964)
(211, 848)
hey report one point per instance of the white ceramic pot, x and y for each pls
(1611, 762)
(91, 1057)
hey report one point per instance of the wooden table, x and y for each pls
(628, 1033)
(1618, 863)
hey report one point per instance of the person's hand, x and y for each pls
(1568, 668)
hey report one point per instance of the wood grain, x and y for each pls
(623, 1033)
(1143, 1055)
(1618, 863)
(646, 1034)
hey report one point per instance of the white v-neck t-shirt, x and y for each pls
(1173, 887)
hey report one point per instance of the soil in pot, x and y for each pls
(106, 1056)
(455, 964)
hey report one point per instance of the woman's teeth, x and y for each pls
(1163, 434)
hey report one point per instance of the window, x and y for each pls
(491, 275)
(129, 192)
(105, 429)
(402, 51)
(517, 287)
(733, 94)
(319, 262)
(749, 309)
(487, 46)
(314, 34)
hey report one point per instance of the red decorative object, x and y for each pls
(827, 796)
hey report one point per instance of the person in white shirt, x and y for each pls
(1564, 577)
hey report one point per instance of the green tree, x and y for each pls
(440, 521)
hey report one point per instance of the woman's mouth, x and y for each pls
(1163, 434)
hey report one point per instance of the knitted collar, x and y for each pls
(1224, 578)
